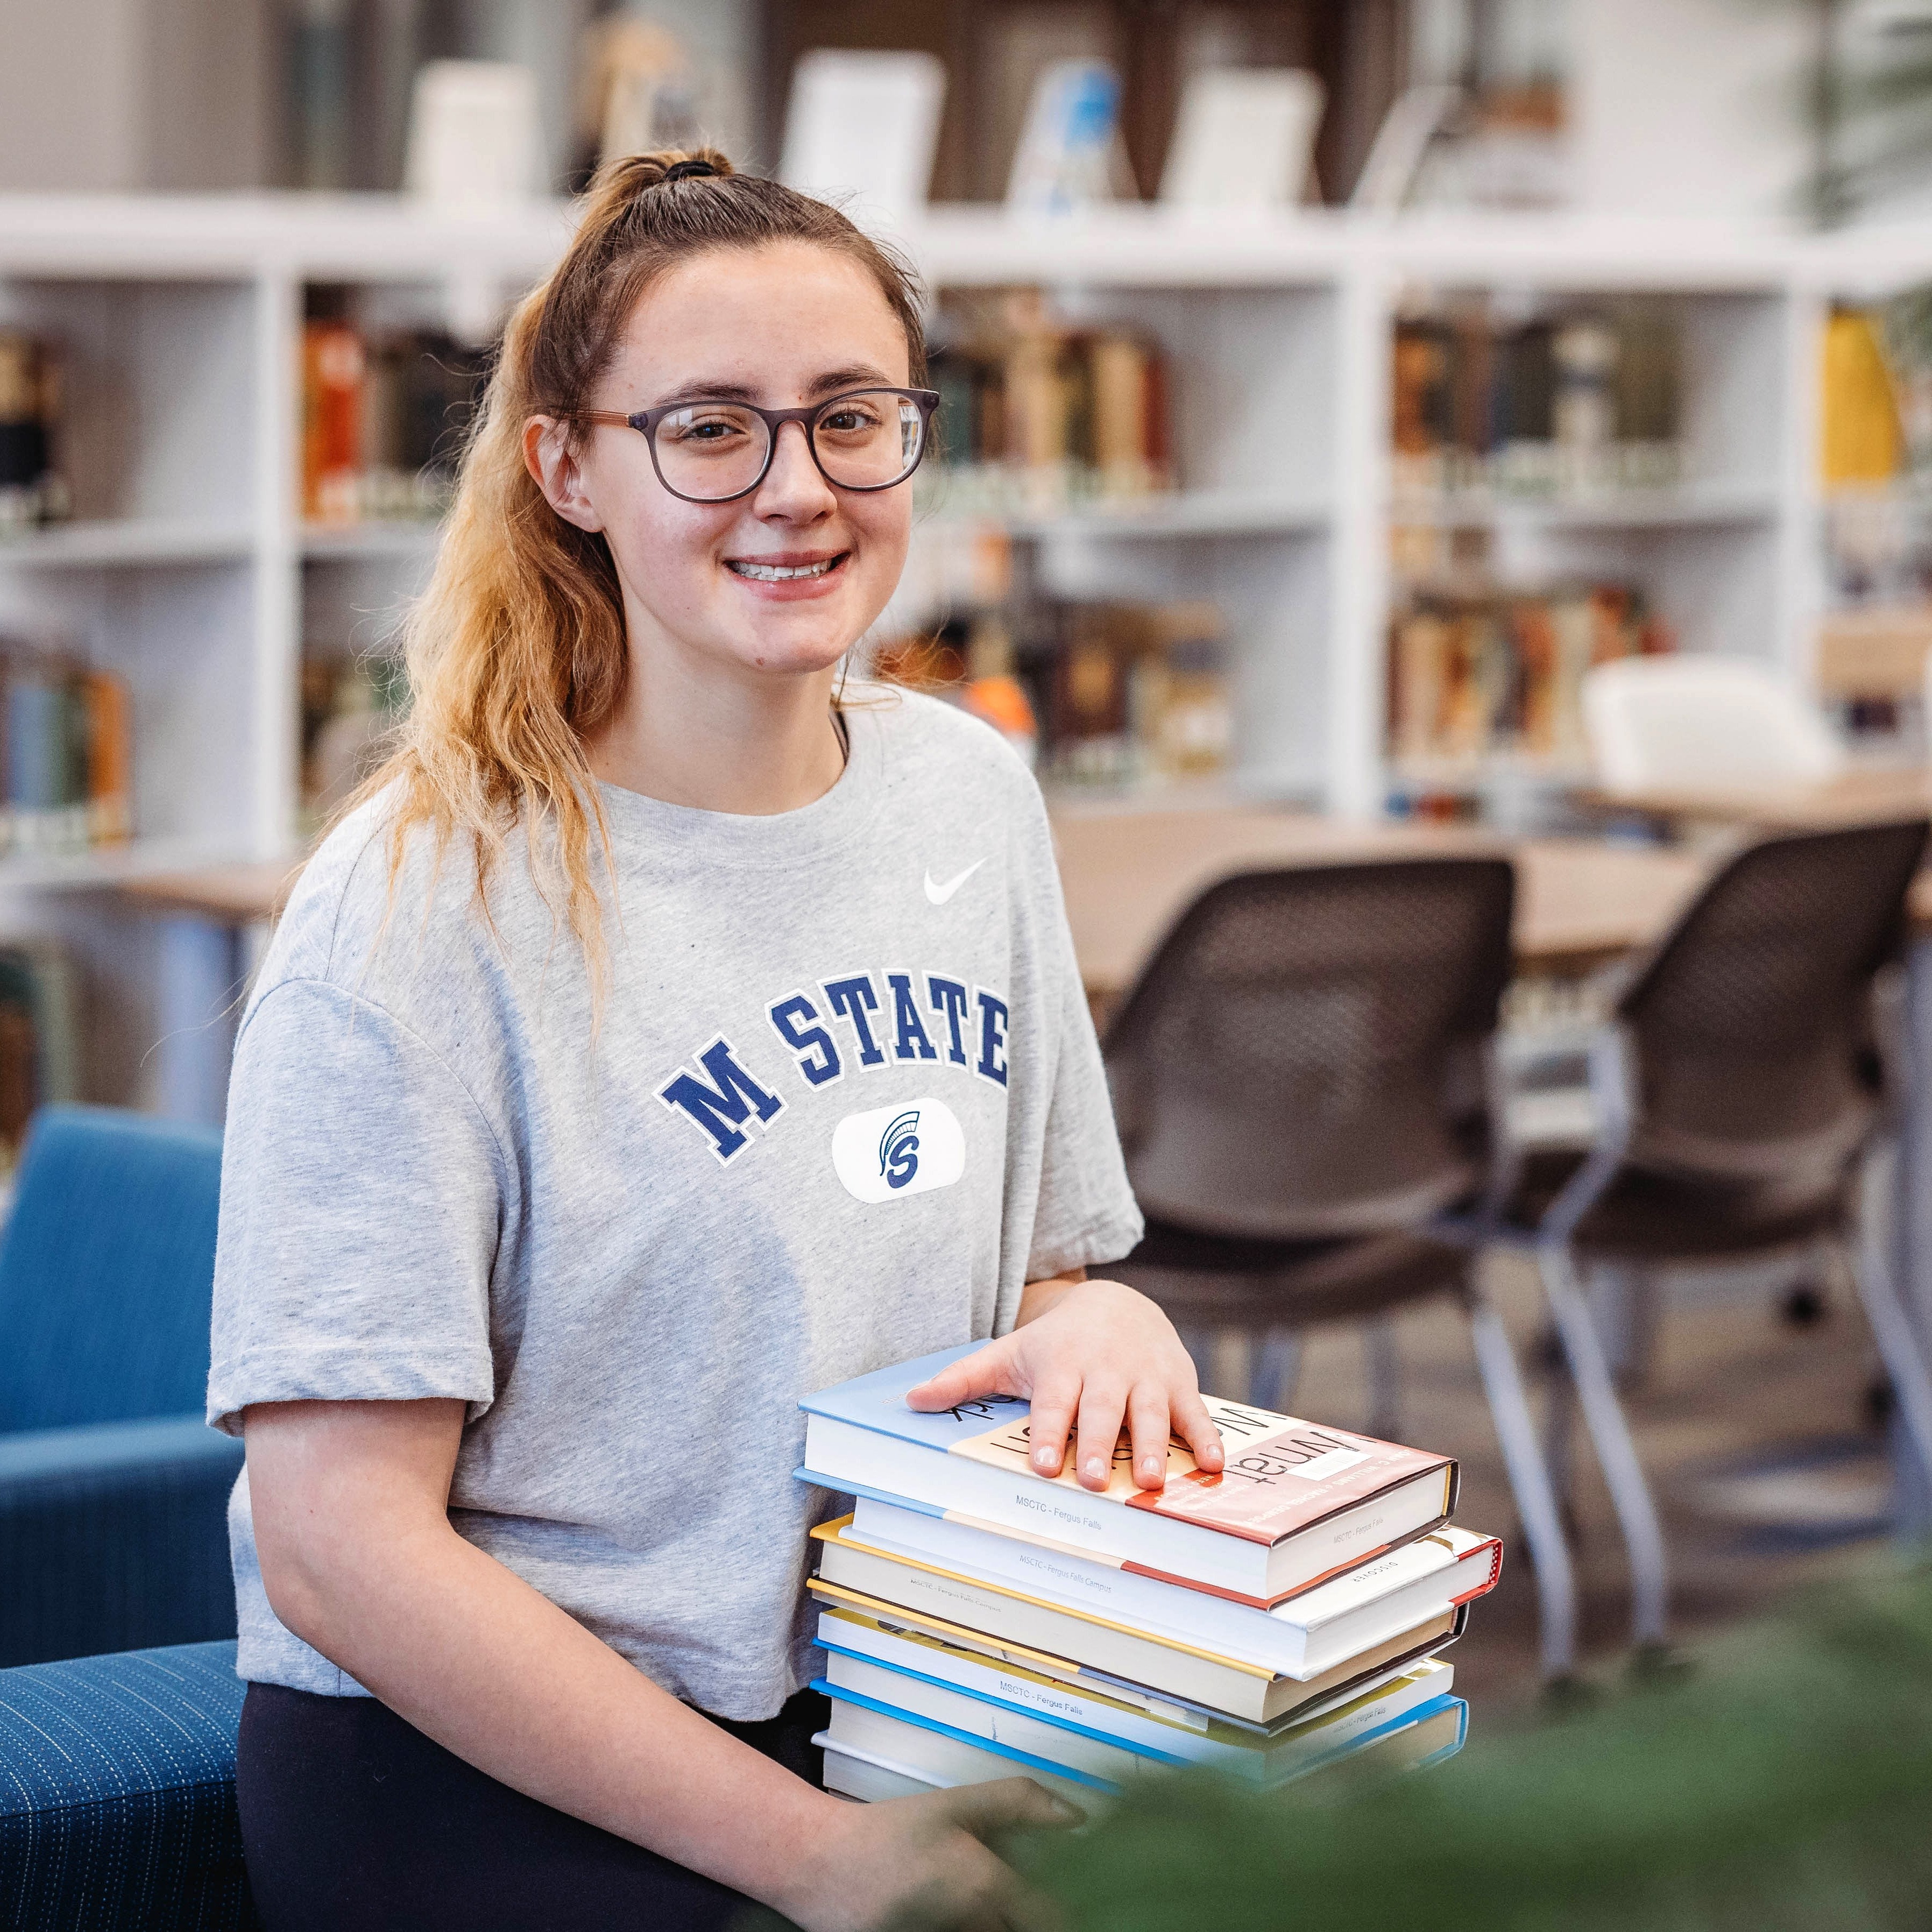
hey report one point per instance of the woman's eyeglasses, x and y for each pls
(712, 452)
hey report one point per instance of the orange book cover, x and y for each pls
(1282, 1476)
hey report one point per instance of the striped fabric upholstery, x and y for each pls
(117, 1794)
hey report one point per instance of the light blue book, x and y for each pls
(931, 1751)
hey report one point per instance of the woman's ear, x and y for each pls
(553, 465)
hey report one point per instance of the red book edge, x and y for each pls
(1150, 1501)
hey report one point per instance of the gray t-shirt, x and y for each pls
(842, 1102)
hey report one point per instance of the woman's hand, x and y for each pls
(1088, 1355)
(922, 1861)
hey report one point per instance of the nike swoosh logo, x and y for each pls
(936, 895)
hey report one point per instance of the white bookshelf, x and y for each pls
(188, 570)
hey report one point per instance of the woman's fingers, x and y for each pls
(1103, 1405)
(1195, 1427)
(1051, 1417)
(1149, 1425)
(987, 1371)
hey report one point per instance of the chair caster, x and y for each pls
(1568, 1696)
(1659, 1666)
(1804, 1306)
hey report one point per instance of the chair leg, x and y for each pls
(1277, 1368)
(1385, 1367)
(1624, 1302)
(1898, 1347)
(1559, 1431)
(1616, 1453)
(1529, 1480)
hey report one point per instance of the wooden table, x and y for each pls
(1128, 874)
(1858, 796)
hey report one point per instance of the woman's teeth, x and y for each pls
(778, 573)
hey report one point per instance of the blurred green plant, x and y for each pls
(1786, 1783)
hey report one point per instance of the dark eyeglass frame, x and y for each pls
(645, 422)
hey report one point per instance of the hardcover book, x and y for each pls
(1297, 1502)
(921, 1752)
(1085, 1728)
(1325, 1629)
(1134, 1666)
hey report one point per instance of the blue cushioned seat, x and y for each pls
(113, 1493)
(117, 1794)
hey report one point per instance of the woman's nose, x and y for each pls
(793, 484)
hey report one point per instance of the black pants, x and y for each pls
(352, 1820)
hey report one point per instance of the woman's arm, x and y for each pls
(350, 1502)
(1088, 1355)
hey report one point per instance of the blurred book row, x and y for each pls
(65, 754)
(1092, 694)
(383, 415)
(1038, 416)
(1540, 405)
(32, 489)
(1475, 675)
(350, 703)
(39, 1037)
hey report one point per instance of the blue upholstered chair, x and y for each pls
(117, 1794)
(113, 1492)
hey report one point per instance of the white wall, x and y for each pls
(1689, 106)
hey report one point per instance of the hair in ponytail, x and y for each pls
(516, 652)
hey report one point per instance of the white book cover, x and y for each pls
(1359, 1608)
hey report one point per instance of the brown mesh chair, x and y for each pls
(1738, 1084)
(1299, 1077)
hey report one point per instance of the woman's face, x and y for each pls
(782, 325)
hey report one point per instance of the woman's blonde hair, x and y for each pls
(516, 652)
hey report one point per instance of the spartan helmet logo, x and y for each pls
(899, 1148)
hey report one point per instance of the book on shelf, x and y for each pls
(1091, 1729)
(39, 1037)
(1297, 1503)
(1093, 694)
(1472, 674)
(1576, 403)
(1038, 416)
(384, 412)
(875, 1750)
(33, 490)
(66, 754)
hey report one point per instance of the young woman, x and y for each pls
(568, 1148)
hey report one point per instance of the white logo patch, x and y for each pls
(887, 1153)
(936, 894)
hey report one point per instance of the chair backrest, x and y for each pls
(1753, 1021)
(107, 1270)
(1302, 1057)
(1701, 721)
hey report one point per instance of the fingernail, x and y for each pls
(1044, 1458)
(1150, 1465)
(1094, 1465)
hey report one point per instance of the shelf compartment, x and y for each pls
(97, 542)
(1187, 513)
(1690, 506)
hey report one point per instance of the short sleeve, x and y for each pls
(362, 1195)
(1087, 1213)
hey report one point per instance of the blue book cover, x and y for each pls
(877, 1402)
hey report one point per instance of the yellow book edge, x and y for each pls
(829, 1532)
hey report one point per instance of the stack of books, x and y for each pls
(980, 1620)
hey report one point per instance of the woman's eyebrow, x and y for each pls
(860, 375)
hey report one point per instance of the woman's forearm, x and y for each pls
(362, 1568)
